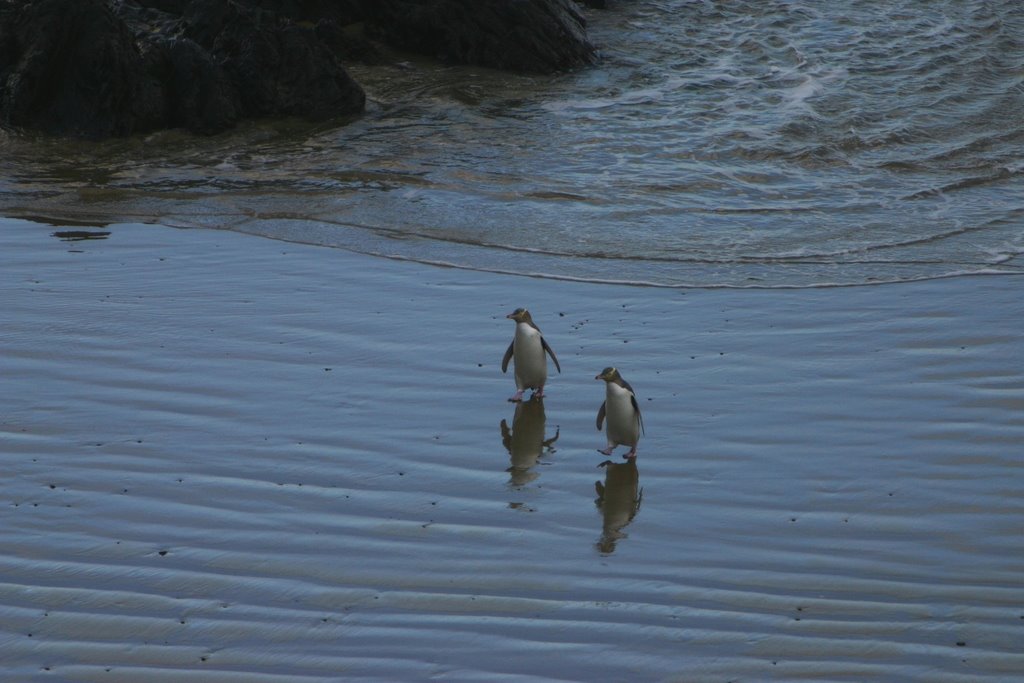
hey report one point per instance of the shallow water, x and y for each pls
(767, 144)
(224, 461)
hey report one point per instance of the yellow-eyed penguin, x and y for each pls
(528, 348)
(622, 411)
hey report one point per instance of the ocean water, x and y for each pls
(764, 144)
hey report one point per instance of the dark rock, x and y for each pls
(276, 66)
(525, 35)
(71, 67)
(176, 7)
(97, 68)
(348, 42)
(197, 93)
(93, 69)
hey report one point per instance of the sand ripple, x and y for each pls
(227, 459)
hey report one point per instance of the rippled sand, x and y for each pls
(231, 459)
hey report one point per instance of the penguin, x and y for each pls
(528, 348)
(623, 412)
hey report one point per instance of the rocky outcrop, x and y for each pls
(72, 67)
(275, 66)
(523, 35)
(90, 68)
(97, 68)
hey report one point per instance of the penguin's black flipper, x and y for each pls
(544, 343)
(636, 407)
(600, 416)
(508, 357)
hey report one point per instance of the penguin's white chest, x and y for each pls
(528, 353)
(623, 421)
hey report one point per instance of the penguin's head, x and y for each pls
(520, 315)
(609, 375)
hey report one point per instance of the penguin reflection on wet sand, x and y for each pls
(622, 412)
(525, 441)
(619, 499)
(527, 350)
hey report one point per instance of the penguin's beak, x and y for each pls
(601, 376)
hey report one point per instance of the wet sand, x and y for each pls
(227, 458)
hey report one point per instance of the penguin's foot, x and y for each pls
(539, 392)
(606, 451)
(516, 397)
(631, 455)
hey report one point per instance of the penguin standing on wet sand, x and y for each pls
(622, 411)
(528, 348)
